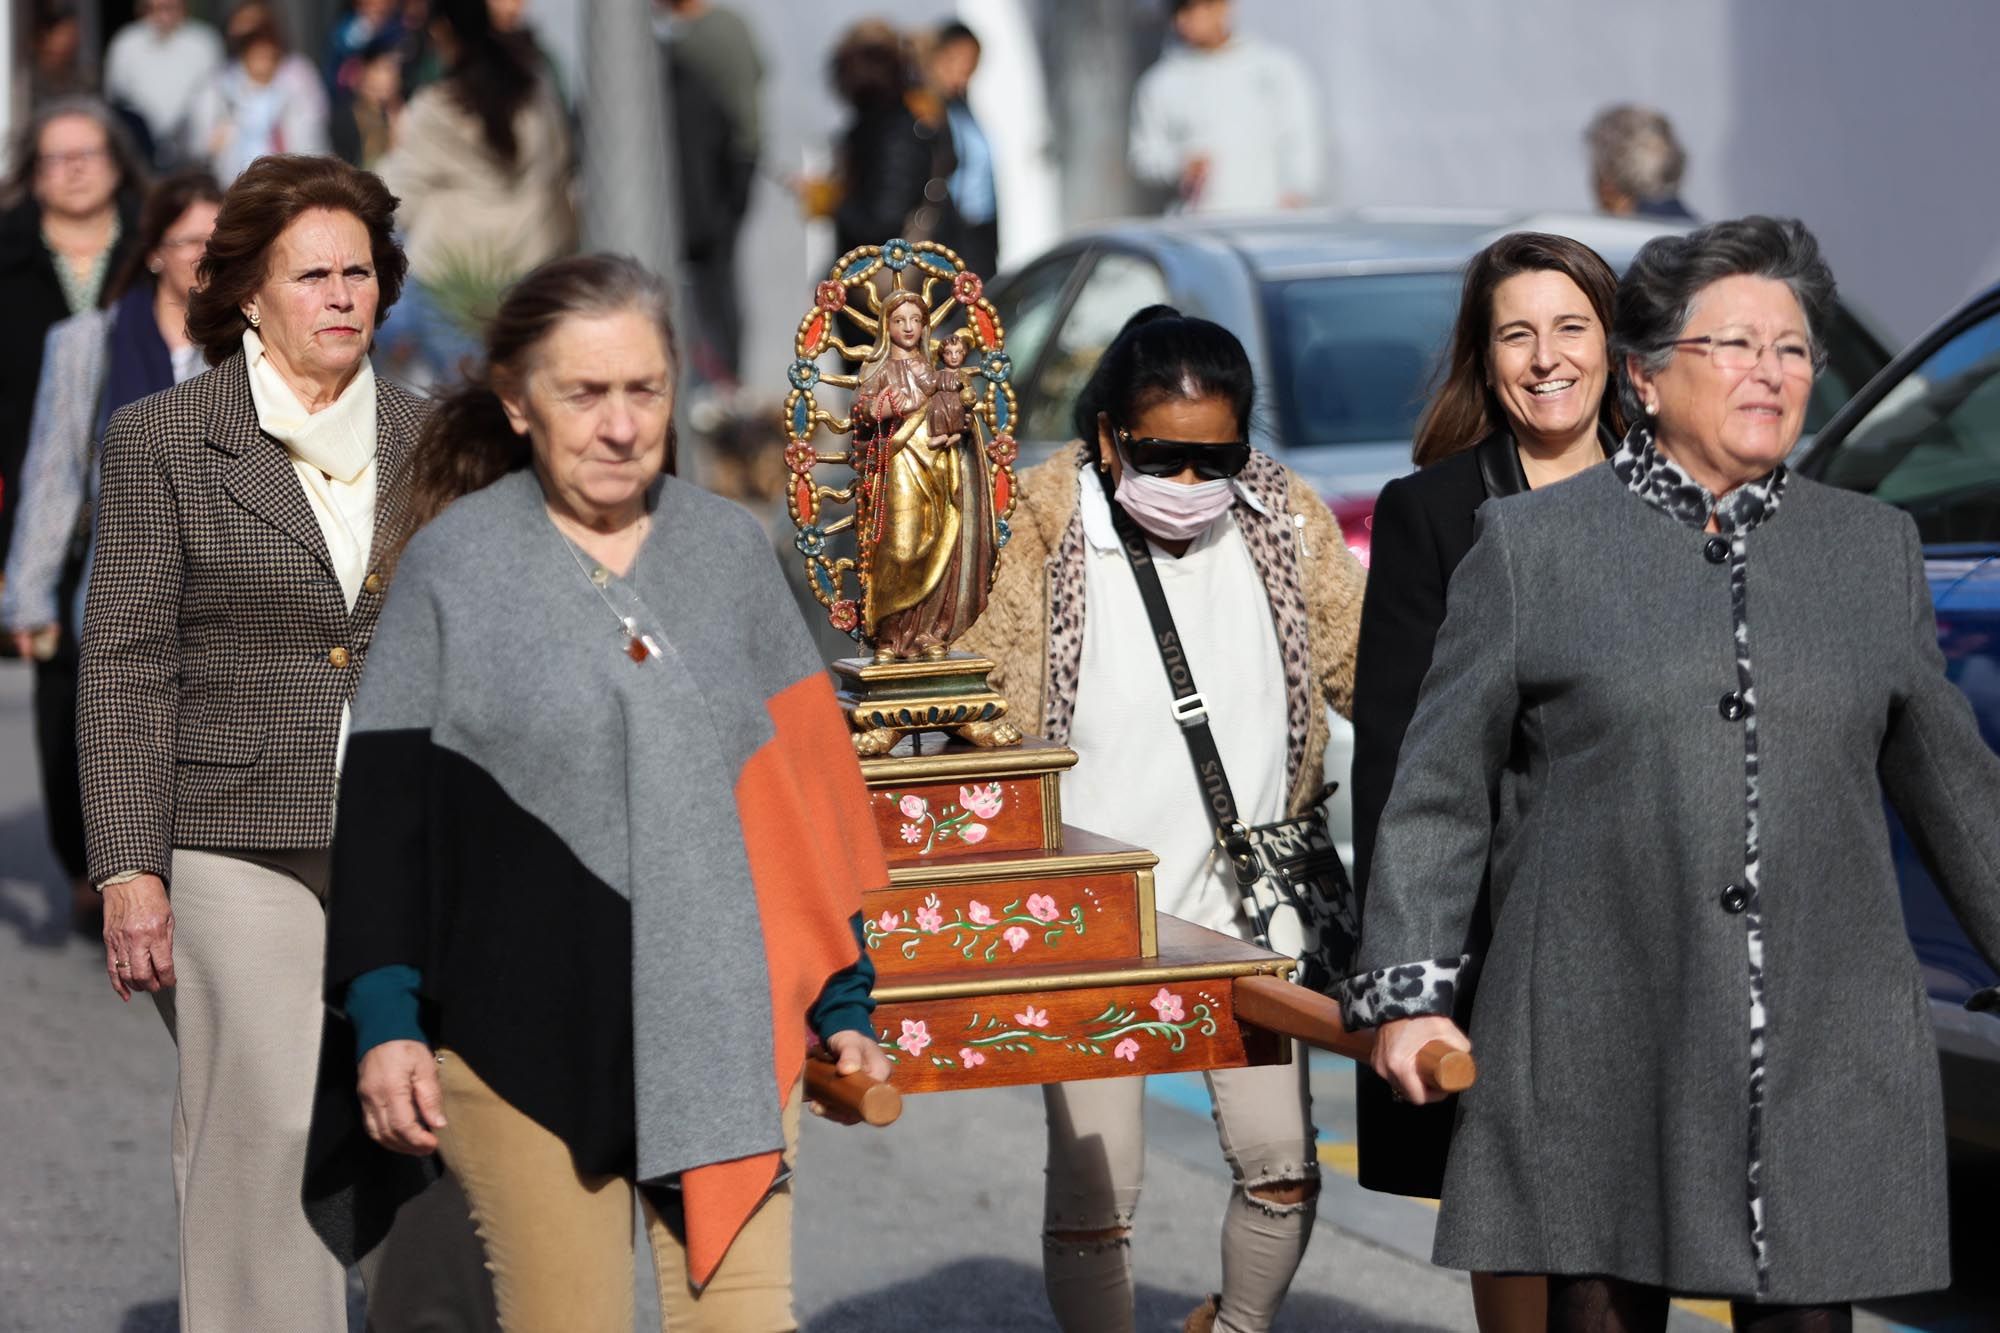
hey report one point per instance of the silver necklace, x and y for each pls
(639, 645)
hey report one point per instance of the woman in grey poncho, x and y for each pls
(601, 848)
(1691, 675)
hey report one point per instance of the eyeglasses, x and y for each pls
(1169, 458)
(77, 157)
(1795, 358)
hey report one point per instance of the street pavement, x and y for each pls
(929, 1226)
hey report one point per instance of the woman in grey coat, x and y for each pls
(1667, 698)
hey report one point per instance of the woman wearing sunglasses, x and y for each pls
(1266, 599)
(1521, 404)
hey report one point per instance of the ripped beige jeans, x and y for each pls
(1097, 1155)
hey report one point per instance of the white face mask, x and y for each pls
(1169, 510)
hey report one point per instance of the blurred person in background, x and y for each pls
(482, 166)
(1228, 123)
(1636, 164)
(69, 208)
(973, 229)
(268, 100)
(58, 69)
(716, 75)
(1521, 403)
(894, 162)
(157, 65)
(366, 23)
(133, 343)
(362, 127)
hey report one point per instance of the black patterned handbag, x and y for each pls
(1293, 887)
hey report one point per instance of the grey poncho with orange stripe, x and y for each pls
(624, 883)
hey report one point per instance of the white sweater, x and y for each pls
(1248, 107)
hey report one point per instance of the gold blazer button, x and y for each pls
(373, 583)
(338, 657)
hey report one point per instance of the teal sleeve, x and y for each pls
(847, 1002)
(382, 1005)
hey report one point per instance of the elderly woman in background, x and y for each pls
(233, 593)
(268, 99)
(135, 344)
(1690, 675)
(67, 227)
(1521, 405)
(654, 796)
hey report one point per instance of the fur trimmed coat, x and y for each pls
(1033, 627)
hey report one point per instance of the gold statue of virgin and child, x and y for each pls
(933, 479)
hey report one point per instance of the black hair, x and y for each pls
(956, 31)
(495, 75)
(1161, 354)
(1659, 290)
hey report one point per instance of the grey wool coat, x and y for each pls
(1705, 1051)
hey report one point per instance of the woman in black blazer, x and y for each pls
(1522, 404)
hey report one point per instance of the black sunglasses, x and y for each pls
(1170, 458)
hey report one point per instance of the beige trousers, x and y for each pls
(559, 1243)
(1096, 1164)
(245, 1013)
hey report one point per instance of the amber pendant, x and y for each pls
(635, 648)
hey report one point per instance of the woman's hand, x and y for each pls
(1396, 1045)
(401, 1103)
(34, 643)
(138, 936)
(856, 1052)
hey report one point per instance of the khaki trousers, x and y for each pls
(245, 1013)
(559, 1243)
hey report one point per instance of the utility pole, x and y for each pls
(1093, 50)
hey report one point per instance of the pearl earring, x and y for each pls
(251, 315)
(153, 266)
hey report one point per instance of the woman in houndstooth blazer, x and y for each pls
(230, 609)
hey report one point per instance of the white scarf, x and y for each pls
(339, 439)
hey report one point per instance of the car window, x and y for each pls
(1852, 359)
(1117, 287)
(1353, 355)
(1029, 305)
(1932, 445)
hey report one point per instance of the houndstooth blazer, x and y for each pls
(217, 645)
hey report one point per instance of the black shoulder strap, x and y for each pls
(1190, 709)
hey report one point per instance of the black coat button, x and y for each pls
(1716, 549)
(1732, 707)
(1734, 899)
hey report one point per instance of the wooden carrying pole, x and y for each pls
(1278, 1006)
(852, 1098)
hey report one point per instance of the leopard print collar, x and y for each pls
(1659, 481)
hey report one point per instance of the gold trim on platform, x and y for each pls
(1056, 866)
(1102, 976)
(1052, 826)
(954, 762)
(958, 664)
(1149, 917)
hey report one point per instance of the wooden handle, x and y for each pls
(1276, 1005)
(852, 1098)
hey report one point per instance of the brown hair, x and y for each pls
(267, 198)
(468, 443)
(20, 183)
(1463, 409)
(170, 197)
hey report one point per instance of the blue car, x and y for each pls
(1924, 435)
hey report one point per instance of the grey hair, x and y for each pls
(1669, 274)
(1633, 149)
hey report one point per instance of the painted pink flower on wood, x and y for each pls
(1168, 1006)
(983, 801)
(1033, 1017)
(1016, 937)
(914, 807)
(929, 919)
(889, 921)
(972, 833)
(979, 914)
(1042, 907)
(1127, 1049)
(969, 1057)
(913, 833)
(917, 1035)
